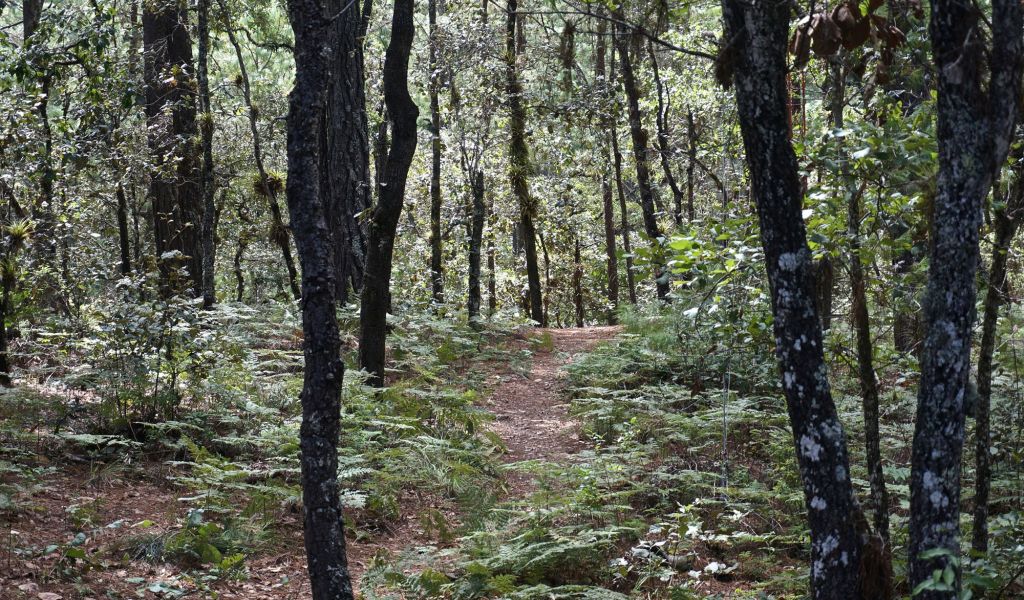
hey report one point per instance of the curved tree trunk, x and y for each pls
(664, 143)
(974, 129)
(519, 164)
(402, 112)
(643, 172)
(757, 35)
(278, 230)
(324, 369)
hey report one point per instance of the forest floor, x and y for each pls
(531, 417)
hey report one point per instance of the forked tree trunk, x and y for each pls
(402, 112)
(974, 129)
(664, 143)
(324, 370)
(643, 173)
(519, 164)
(757, 37)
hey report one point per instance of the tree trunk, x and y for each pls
(643, 173)
(476, 236)
(757, 35)
(1005, 227)
(691, 154)
(278, 230)
(519, 164)
(171, 127)
(664, 143)
(974, 129)
(577, 285)
(608, 209)
(324, 369)
(492, 277)
(402, 111)
(860, 318)
(436, 273)
(627, 246)
(124, 242)
(206, 179)
(346, 174)
(43, 208)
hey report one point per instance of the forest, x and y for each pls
(525, 299)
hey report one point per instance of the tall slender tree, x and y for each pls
(206, 176)
(978, 90)
(433, 89)
(324, 370)
(519, 162)
(402, 112)
(607, 204)
(639, 139)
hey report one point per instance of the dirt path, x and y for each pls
(531, 415)
(532, 418)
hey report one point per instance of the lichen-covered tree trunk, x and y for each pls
(402, 112)
(639, 138)
(265, 187)
(346, 173)
(324, 369)
(519, 164)
(757, 35)
(974, 128)
(691, 158)
(177, 205)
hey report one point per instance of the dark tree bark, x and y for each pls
(643, 173)
(757, 37)
(346, 172)
(206, 179)
(620, 190)
(402, 111)
(608, 209)
(492, 277)
(519, 164)
(124, 242)
(664, 143)
(43, 208)
(627, 246)
(974, 129)
(324, 369)
(577, 285)
(171, 127)
(436, 273)
(478, 216)
(1006, 221)
(278, 229)
(691, 155)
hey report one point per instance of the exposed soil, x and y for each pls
(531, 417)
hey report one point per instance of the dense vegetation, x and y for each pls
(511, 299)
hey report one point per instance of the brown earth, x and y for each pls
(530, 416)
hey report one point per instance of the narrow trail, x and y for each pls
(531, 416)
